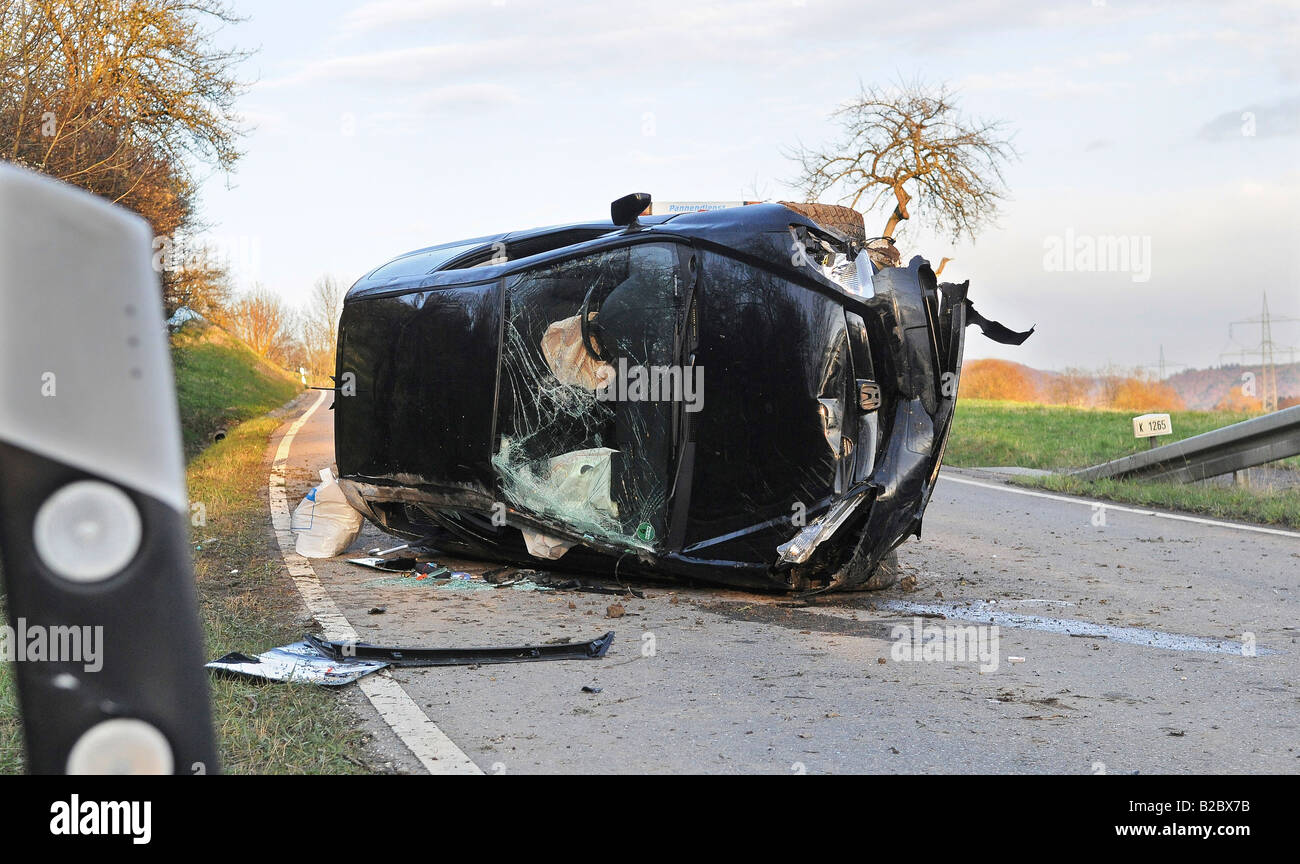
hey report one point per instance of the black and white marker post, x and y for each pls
(93, 506)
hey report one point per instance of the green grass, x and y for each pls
(1055, 437)
(262, 728)
(991, 434)
(11, 730)
(220, 382)
(1262, 506)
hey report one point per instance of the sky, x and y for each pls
(1170, 131)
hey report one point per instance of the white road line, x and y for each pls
(436, 752)
(1091, 502)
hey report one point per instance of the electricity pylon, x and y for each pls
(1266, 352)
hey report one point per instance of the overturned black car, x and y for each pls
(747, 396)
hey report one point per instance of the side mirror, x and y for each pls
(625, 210)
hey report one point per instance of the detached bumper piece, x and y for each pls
(360, 651)
(333, 664)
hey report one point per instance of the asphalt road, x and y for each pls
(1121, 648)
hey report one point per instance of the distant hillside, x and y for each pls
(1199, 389)
(221, 382)
(1005, 379)
(1203, 389)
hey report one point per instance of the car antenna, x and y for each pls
(625, 210)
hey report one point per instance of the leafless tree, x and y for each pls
(320, 325)
(1109, 382)
(910, 142)
(260, 318)
(1072, 387)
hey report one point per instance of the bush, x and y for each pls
(999, 380)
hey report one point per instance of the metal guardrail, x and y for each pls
(1222, 451)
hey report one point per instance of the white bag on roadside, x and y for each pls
(324, 521)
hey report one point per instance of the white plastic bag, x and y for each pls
(545, 546)
(324, 521)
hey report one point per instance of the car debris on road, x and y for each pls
(298, 662)
(593, 649)
(317, 661)
(400, 565)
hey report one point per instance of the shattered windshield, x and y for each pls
(587, 396)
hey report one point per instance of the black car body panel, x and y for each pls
(466, 413)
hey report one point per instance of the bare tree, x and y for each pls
(290, 351)
(261, 320)
(203, 286)
(1109, 382)
(1072, 387)
(320, 325)
(912, 136)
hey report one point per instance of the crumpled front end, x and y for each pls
(922, 326)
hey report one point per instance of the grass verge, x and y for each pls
(1057, 437)
(1278, 507)
(246, 604)
(221, 382)
(11, 730)
(987, 433)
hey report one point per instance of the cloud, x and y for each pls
(467, 97)
(1200, 76)
(399, 66)
(267, 121)
(1255, 28)
(389, 14)
(528, 36)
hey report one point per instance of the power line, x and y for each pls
(1161, 366)
(1266, 351)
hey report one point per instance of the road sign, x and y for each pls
(1151, 425)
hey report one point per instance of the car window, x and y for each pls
(578, 440)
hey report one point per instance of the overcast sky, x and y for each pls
(381, 127)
